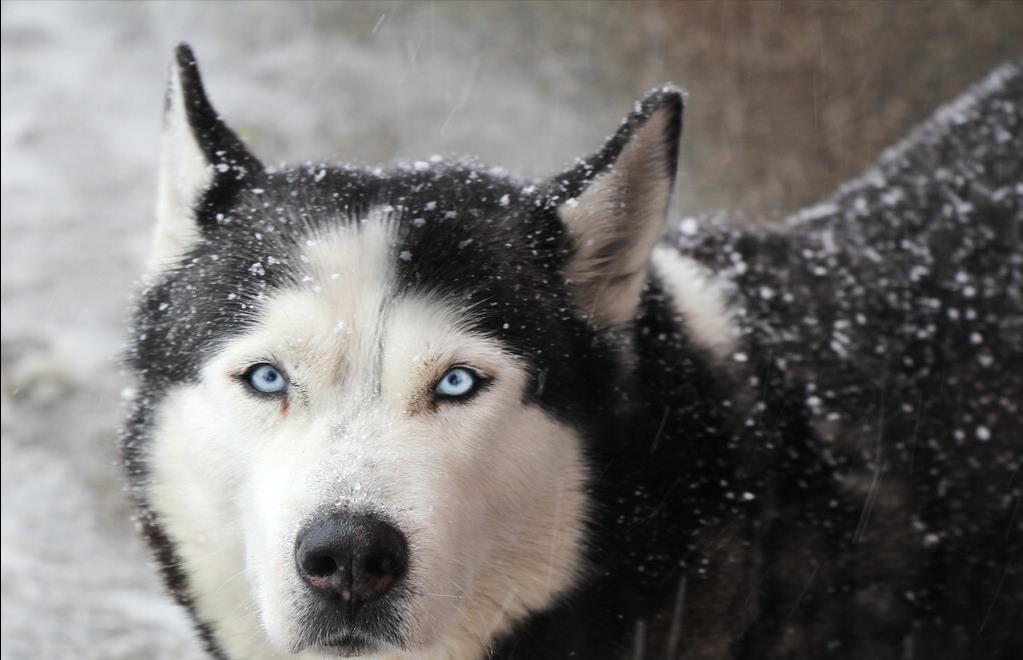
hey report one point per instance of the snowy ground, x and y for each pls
(775, 120)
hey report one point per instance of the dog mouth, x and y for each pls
(348, 646)
(335, 629)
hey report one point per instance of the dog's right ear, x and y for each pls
(200, 153)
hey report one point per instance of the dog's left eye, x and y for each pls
(266, 379)
(457, 383)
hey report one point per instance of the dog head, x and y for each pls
(367, 396)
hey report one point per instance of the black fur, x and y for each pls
(778, 505)
(880, 433)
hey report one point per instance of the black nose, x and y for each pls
(357, 557)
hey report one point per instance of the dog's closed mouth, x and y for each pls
(348, 646)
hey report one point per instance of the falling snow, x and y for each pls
(61, 382)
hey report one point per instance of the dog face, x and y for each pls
(367, 397)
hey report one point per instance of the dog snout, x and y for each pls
(355, 557)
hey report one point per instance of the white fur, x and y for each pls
(184, 175)
(489, 493)
(700, 299)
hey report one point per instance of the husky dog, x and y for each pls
(436, 411)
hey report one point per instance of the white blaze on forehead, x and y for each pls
(337, 311)
(353, 259)
(700, 298)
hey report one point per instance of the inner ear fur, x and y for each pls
(199, 151)
(616, 205)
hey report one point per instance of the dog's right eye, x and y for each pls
(459, 384)
(266, 379)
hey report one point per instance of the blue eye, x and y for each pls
(457, 383)
(266, 379)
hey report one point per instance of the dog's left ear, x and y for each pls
(614, 206)
(199, 153)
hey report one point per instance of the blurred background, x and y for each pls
(786, 100)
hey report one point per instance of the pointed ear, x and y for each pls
(614, 206)
(200, 154)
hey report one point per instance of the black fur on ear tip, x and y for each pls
(663, 95)
(191, 81)
(184, 55)
(672, 99)
(189, 77)
(216, 140)
(667, 97)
